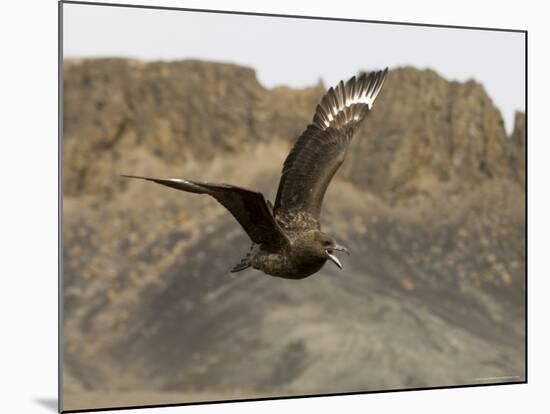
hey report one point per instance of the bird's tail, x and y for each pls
(177, 183)
(245, 262)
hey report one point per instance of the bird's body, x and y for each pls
(287, 238)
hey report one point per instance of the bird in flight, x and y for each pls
(287, 240)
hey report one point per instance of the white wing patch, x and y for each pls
(349, 98)
(367, 100)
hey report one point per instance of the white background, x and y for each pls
(28, 219)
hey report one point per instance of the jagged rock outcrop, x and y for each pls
(176, 111)
(427, 132)
(518, 148)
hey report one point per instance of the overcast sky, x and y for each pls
(299, 52)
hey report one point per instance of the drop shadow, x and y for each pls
(50, 403)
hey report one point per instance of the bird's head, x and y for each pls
(320, 246)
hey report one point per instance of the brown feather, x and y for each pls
(321, 149)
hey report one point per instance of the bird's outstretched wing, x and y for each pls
(250, 208)
(320, 150)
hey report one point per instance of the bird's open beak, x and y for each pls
(334, 259)
(341, 249)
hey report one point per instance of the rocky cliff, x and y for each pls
(430, 200)
(425, 130)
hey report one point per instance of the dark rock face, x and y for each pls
(430, 201)
(427, 132)
(518, 148)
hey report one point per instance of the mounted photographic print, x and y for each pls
(262, 206)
